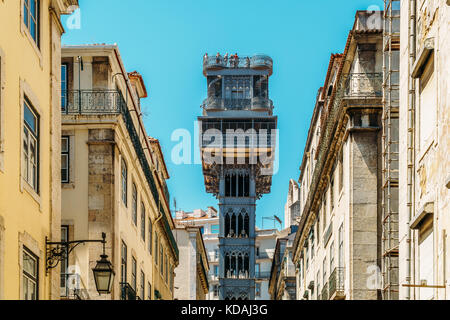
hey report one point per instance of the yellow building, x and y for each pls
(113, 180)
(30, 119)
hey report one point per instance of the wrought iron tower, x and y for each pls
(237, 144)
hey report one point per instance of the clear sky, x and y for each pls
(165, 41)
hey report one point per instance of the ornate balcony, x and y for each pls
(91, 102)
(324, 294)
(253, 104)
(336, 284)
(257, 62)
(363, 85)
(127, 292)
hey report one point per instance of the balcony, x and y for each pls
(91, 102)
(253, 104)
(363, 85)
(257, 62)
(324, 294)
(127, 292)
(336, 284)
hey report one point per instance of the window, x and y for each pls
(426, 258)
(31, 18)
(134, 204)
(166, 269)
(324, 269)
(143, 221)
(428, 102)
(161, 258)
(150, 231)
(65, 147)
(325, 210)
(156, 248)
(30, 275)
(318, 284)
(124, 182)
(257, 269)
(237, 185)
(258, 289)
(332, 256)
(216, 290)
(215, 229)
(257, 251)
(216, 254)
(341, 246)
(332, 193)
(142, 289)
(64, 87)
(149, 291)
(31, 146)
(216, 271)
(133, 273)
(123, 264)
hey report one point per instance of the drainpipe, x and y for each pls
(411, 143)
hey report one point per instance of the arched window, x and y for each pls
(246, 225)
(227, 265)
(227, 224)
(241, 225)
(233, 226)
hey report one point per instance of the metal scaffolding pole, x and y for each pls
(390, 149)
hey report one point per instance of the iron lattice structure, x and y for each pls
(390, 149)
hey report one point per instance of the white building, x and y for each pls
(208, 221)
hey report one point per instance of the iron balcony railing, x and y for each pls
(255, 103)
(91, 102)
(255, 62)
(324, 294)
(127, 292)
(203, 270)
(363, 85)
(336, 282)
(97, 102)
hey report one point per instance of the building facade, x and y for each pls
(208, 221)
(282, 283)
(113, 180)
(337, 248)
(424, 144)
(191, 281)
(30, 125)
(237, 145)
(292, 206)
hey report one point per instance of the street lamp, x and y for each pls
(103, 272)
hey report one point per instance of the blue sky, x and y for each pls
(165, 40)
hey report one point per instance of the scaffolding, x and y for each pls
(390, 149)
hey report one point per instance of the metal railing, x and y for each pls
(219, 62)
(363, 85)
(127, 292)
(324, 294)
(255, 103)
(336, 282)
(91, 102)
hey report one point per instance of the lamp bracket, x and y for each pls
(59, 251)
